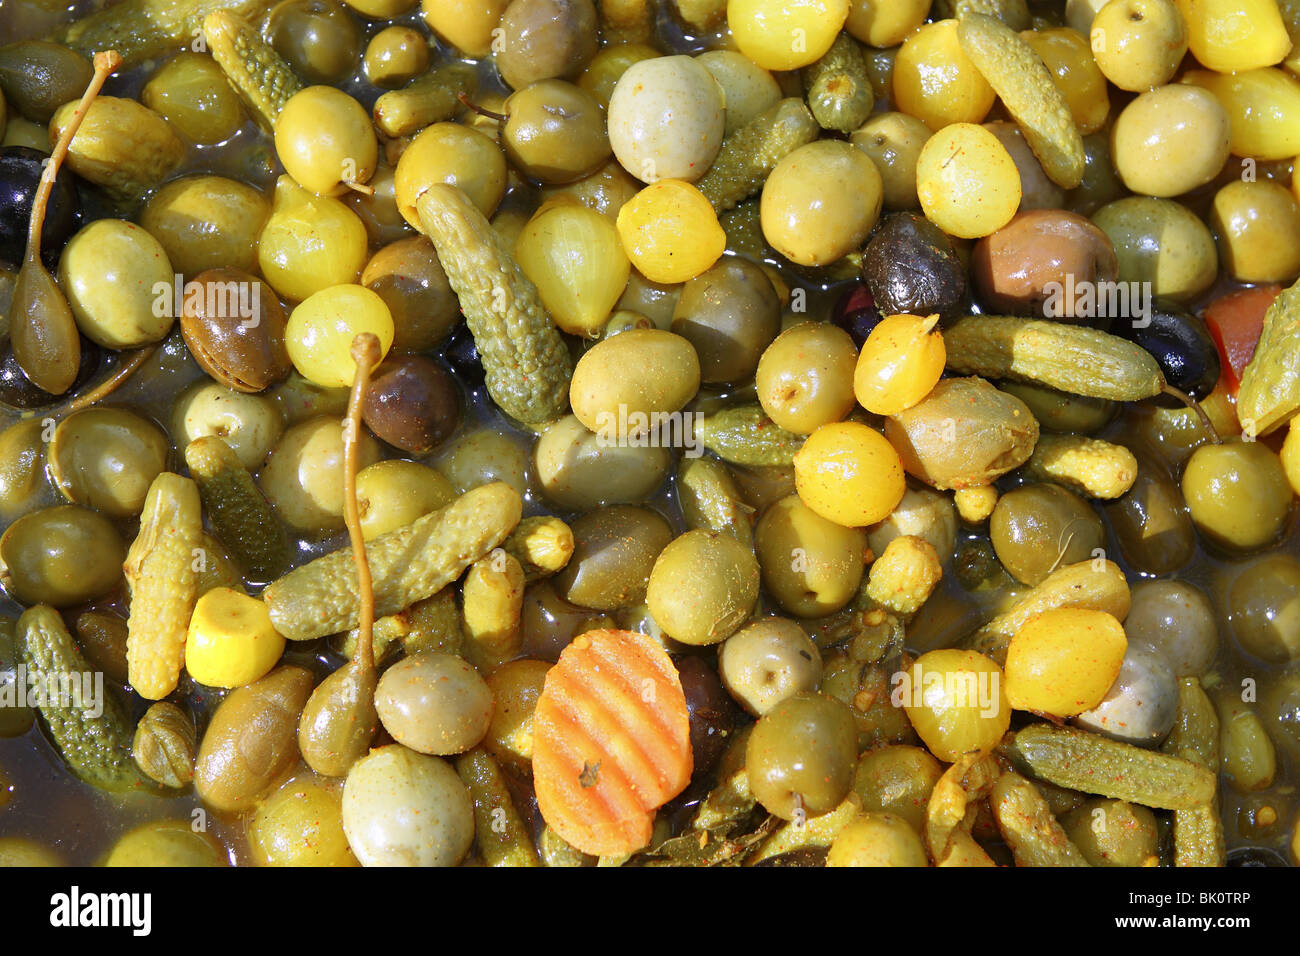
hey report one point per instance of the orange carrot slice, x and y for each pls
(611, 741)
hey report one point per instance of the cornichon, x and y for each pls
(87, 723)
(140, 29)
(1198, 832)
(242, 517)
(526, 364)
(1014, 13)
(427, 99)
(433, 624)
(500, 834)
(409, 564)
(1028, 826)
(1270, 385)
(1092, 585)
(260, 75)
(838, 88)
(751, 153)
(744, 435)
(1068, 358)
(162, 578)
(1094, 764)
(1021, 80)
(710, 499)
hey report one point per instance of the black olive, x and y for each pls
(17, 391)
(711, 710)
(461, 354)
(1180, 344)
(911, 267)
(20, 173)
(1255, 856)
(856, 313)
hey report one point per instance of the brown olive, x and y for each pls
(38, 77)
(555, 132)
(412, 403)
(1151, 522)
(235, 330)
(730, 313)
(406, 274)
(614, 550)
(541, 39)
(61, 556)
(102, 637)
(319, 39)
(549, 622)
(711, 711)
(1038, 528)
(911, 266)
(1032, 264)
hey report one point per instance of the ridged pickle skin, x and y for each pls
(750, 153)
(241, 515)
(1270, 385)
(260, 75)
(140, 29)
(744, 435)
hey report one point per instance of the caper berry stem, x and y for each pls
(1195, 406)
(135, 360)
(483, 110)
(366, 354)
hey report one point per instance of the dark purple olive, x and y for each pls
(17, 391)
(911, 267)
(461, 354)
(1255, 856)
(1180, 344)
(20, 172)
(856, 313)
(712, 713)
(412, 404)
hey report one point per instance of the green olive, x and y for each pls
(811, 566)
(319, 38)
(395, 55)
(391, 494)
(1160, 242)
(455, 154)
(1139, 44)
(730, 313)
(408, 277)
(303, 477)
(192, 93)
(106, 458)
(434, 703)
(169, 843)
(747, 88)
(622, 385)
(866, 689)
(326, 140)
(23, 483)
(207, 222)
(1037, 528)
(893, 141)
(301, 824)
(805, 377)
(249, 424)
(1170, 140)
(1258, 227)
(1059, 411)
(555, 132)
(541, 39)
(703, 587)
(606, 191)
(61, 556)
(767, 661)
(378, 210)
(614, 550)
(608, 66)
(38, 77)
(1101, 184)
(1037, 191)
(898, 779)
(110, 271)
(1238, 494)
(1175, 620)
(878, 839)
(1262, 605)
(1151, 523)
(802, 755)
(485, 455)
(578, 469)
(1113, 833)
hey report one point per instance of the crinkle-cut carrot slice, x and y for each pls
(611, 741)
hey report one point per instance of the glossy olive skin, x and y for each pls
(1182, 346)
(703, 587)
(252, 739)
(412, 403)
(1161, 242)
(39, 76)
(1142, 704)
(1038, 528)
(730, 313)
(1262, 602)
(711, 712)
(1151, 522)
(810, 565)
(767, 661)
(406, 274)
(555, 132)
(106, 458)
(549, 622)
(546, 38)
(23, 482)
(61, 556)
(1238, 494)
(319, 38)
(805, 377)
(17, 720)
(898, 779)
(614, 550)
(802, 755)
(20, 172)
(1024, 267)
(434, 703)
(578, 469)
(18, 391)
(1177, 621)
(1113, 833)
(247, 354)
(912, 267)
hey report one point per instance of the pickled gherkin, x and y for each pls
(750, 153)
(710, 499)
(744, 435)
(243, 518)
(140, 29)
(1270, 385)
(427, 99)
(526, 364)
(260, 75)
(499, 831)
(839, 89)
(87, 724)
